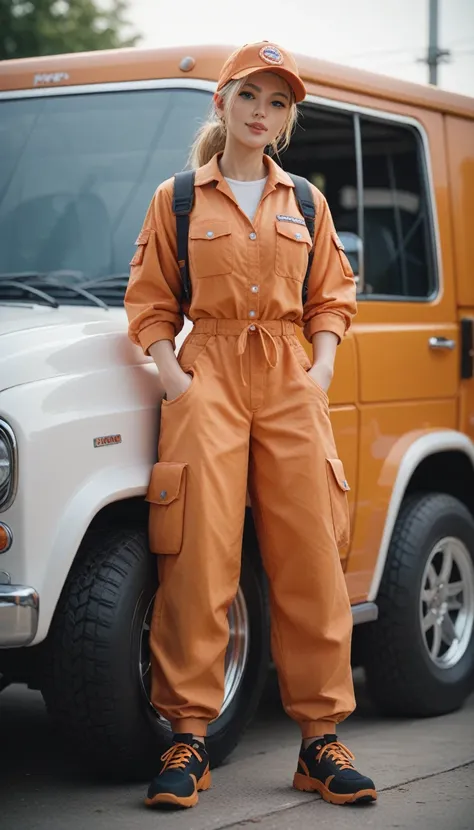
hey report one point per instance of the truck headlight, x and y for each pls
(8, 465)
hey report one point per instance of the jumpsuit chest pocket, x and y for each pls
(166, 495)
(293, 244)
(210, 248)
(338, 489)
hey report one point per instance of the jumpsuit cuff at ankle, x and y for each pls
(317, 728)
(196, 726)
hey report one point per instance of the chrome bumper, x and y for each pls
(19, 609)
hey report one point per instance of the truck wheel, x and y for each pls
(97, 684)
(419, 655)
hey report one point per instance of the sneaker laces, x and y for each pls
(178, 755)
(337, 752)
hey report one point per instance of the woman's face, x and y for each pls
(260, 110)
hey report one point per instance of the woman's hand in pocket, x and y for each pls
(173, 380)
(177, 385)
(322, 374)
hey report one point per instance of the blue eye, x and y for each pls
(278, 104)
(244, 94)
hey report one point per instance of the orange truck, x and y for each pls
(84, 141)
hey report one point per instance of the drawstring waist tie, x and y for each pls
(242, 329)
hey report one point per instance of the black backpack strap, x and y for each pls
(305, 200)
(183, 200)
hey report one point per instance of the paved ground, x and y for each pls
(424, 771)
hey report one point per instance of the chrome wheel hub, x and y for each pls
(447, 602)
(235, 658)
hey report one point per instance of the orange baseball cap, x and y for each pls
(262, 57)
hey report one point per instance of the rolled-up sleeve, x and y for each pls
(152, 299)
(331, 301)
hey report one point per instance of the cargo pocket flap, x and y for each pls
(165, 483)
(141, 243)
(143, 236)
(338, 472)
(337, 241)
(209, 230)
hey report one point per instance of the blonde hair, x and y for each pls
(211, 137)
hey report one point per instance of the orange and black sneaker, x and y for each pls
(326, 767)
(184, 771)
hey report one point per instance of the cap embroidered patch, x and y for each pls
(271, 54)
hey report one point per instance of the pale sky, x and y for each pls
(386, 36)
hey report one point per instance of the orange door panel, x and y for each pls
(408, 362)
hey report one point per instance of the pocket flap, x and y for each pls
(143, 236)
(209, 229)
(337, 241)
(291, 230)
(165, 483)
(338, 473)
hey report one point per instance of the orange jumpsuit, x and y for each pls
(251, 416)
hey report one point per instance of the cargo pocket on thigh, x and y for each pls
(166, 495)
(338, 488)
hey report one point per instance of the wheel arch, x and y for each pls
(111, 496)
(438, 461)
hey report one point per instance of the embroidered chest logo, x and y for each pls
(297, 220)
(271, 54)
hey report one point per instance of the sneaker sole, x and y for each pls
(311, 785)
(170, 799)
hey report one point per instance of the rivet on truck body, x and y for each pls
(187, 64)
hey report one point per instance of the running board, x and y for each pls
(364, 612)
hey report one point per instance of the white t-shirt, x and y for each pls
(248, 194)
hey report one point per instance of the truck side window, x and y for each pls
(398, 240)
(323, 150)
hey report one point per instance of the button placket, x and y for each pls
(253, 306)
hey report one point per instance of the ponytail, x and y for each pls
(210, 139)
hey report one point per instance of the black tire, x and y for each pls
(92, 686)
(402, 679)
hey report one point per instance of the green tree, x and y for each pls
(48, 27)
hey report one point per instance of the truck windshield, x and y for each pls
(77, 173)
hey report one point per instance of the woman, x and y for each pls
(244, 405)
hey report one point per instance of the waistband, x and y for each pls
(215, 325)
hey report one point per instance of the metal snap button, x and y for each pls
(252, 328)
(209, 234)
(298, 236)
(254, 289)
(252, 235)
(252, 313)
(163, 494)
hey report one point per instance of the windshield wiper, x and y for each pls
(23, 286)
(50, 280)
(110, 280)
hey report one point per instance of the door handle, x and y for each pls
(441, 343)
